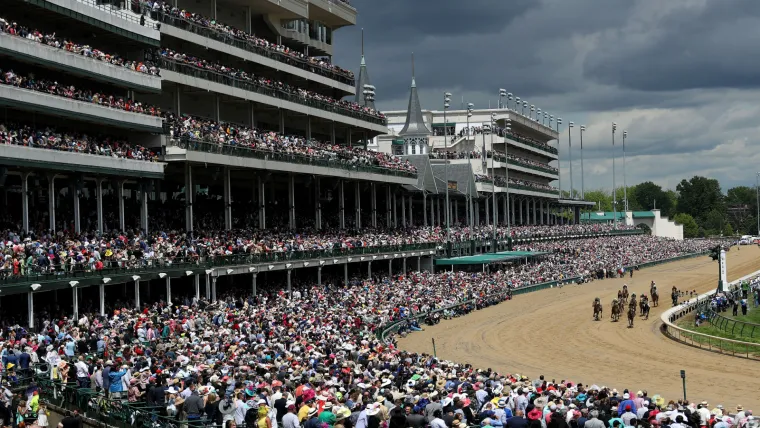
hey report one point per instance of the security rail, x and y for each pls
(268, 90)
(696, 339)
(731, 325)
(188, 143)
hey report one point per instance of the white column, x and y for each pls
(102, 299)
(75, 300)
(77, 216)
(403, 212)
(488, 215)
(168, 289)
(197, 281)
(390, 267)
(317, 204)
(388, 217)
(51, 201)
(262, 205)
(342, 204)
(137, 294)
(227, 198)
(373, 185)
(189, 197)
(25, 200)
(290, 285)
(292, 202)
(99, 201)
(424, 210)
(358, 205)
(319, 276)
(120, 196)
(410, 212)
(395, 212)
(345, 274)
(213, 288)
(369, 269)
(253, 284)
(534, 212)
(208, 287)
(30, 308)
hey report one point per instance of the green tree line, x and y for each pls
(699, 204)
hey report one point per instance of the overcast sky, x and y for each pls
(681, 76)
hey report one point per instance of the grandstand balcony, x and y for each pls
(209, 81)
(39, 102)
(47, 56)
(106, 16)
(336, 13)
(222, 42)
(202, 152)
(60, 161)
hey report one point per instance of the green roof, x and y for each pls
(643, 214)
(488, 258)
(601, 216)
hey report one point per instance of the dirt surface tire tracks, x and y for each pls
(552, 332)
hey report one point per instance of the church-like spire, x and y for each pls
(415, 124)
(365, 92)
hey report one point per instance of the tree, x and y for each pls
(690, 227)
(650, 196)
(700, 196)
(673, 198)
(741, 207)
(600, 196)
(728, 230)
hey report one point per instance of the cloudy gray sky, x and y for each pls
(681, 76)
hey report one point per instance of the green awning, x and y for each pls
(441, 125)
(486, 258)
(398, 142)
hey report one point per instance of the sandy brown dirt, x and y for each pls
(552, 332)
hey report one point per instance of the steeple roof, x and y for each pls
(415, 124)
(362, 81)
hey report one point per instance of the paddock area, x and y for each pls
(552, 332)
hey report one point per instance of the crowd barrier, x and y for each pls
(712, 343)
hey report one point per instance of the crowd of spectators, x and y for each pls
(75, 142)
(499, 156)
(52, 87)
(198, 129)
(263, 82)
(50, 39)
(158, 7)
(313, 358)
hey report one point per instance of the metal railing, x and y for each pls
(187, 143)
(271, 91)
(252, 47)
(546, 148)
(696, 339)
(530, 189)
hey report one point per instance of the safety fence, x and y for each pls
(695, 307)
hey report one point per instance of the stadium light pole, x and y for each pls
(625, 186)
(493, 185)
(559, 167)
(517, 103)
(509, 99)
(446, 105)
(502, 94)
(532, 109)
(614, 200)
(570, 126)
(470, 204)
(757, 197)
(583, 191)
(524, 106)
(538, 116)
(507, 130)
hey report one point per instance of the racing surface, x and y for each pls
(552, 332)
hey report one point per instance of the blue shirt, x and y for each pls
(114, 379)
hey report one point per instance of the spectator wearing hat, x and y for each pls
(312, 419)
(327, 416)
(625, 404)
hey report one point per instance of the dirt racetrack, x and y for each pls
(552, 332)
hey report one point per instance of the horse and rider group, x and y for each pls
(626, 299)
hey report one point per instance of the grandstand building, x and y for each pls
(515, 168)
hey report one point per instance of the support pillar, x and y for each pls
(477, 213)
(332, 133)
(290, 284)
(30, 308)
(51, 201)
(168, 289)
(318, 204)
(373, 186)
(251, 107)
(25, 200)
(512, 206)
(197, 282)
(292, 202)
(208, 287)
(120, 196)
(395, 212)
(213, 288)
(253, 284)
(534, 212)
(388, 223)
(102, 299)
(358, 206)
(520, 207)
(438, 204)
(77, 214)
(345, 274)
(424, 210)
(403, 211)
(390, 267)
(488, 214)
(319, 276)
(227, 199)
(342, 204)
(456, 211)
(577, 215)
(262, 205)
(504, 202)
(419, 263)
(75, 302)
(308, 127)
(403, 266)
(369, 270)
(144, 210)
(410, 223)
(137, 294)
(282, 122)
(99, 202)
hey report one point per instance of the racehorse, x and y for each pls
(674, 296)
(645, 309)
(625, 292)
(654, 294)
(631, 316)
(598, 309)
(615, 312)
(632, 304)
(643, 302)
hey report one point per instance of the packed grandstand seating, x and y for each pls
(74, 142)
(168, 14)
(199, 129)
(200, 64)
(316, 357)
(50, 39)
(52, 87)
